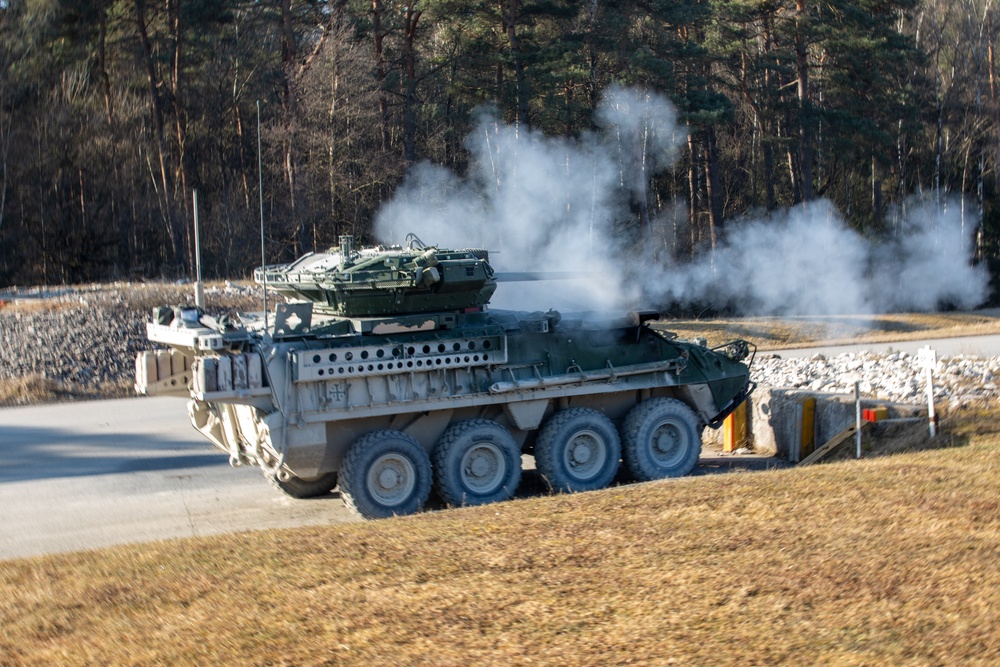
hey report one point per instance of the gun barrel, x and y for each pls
(526, 276)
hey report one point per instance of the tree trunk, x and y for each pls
(805, 111)
(693, 189)
(592, 56)
(793, 173)
(509, 7)
(991, 58)
(768, 150)
(332, 150)
(380, 73)
(180, 177)
(289, 55)
(153, 81)
(713, 186)
(410, 19)
(102, 60)
(876, 193)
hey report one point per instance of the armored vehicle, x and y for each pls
(386, 372)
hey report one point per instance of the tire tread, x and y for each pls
(353, 459)
(634, 421)
(548, 453)
(440, 458)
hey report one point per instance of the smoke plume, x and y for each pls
(549, 204)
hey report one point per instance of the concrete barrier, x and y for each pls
(774, 417)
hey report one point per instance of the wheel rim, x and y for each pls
(483, 468)
(391, 479)
(585, 455)
(668, 444)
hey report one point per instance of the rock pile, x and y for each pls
(89, 338)
(896, 377)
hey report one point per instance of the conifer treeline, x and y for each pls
(113, 111)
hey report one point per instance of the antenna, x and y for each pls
(260, 190)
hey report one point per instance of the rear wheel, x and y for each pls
(661, 437)
(476, 462)
(385, 473)
(297, 487)
(578, 449)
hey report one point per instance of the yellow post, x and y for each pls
(734, 429)
(808, 435)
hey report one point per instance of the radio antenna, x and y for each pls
(260, 191)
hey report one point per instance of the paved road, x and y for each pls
(983, 346)
(83, 475)
(77, 476)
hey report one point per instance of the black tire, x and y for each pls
(661, 437)
(385, 473)
(476, 462)
(578, 449)
(297, 487)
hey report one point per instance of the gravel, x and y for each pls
(88, 339)
(897, 377)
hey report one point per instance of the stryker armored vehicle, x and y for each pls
(385, 372)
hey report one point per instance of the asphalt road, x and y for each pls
(87, 475)
(982, 346)
(78, 476)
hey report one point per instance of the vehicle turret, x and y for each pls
(394, 280)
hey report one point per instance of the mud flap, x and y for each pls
(744, 394)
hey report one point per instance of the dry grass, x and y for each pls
(34, 389)
(774, 333)
(885, 561)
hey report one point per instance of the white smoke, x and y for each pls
(926, 264)
(803, 261)
(548, 204)
(806, 261)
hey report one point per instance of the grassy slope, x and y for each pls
(884, 561)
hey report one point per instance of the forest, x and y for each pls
(304, 117)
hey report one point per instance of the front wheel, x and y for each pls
(296, 487)
(578, 449)
(476, 462)
(660, 438)
(385, 473)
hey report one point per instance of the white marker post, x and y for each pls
(928, 359)
(857, 420)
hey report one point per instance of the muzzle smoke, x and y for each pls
(555, 204)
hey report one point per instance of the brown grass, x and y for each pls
(884, 561)
(775, 333)
(31, 388)
(34, 389)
